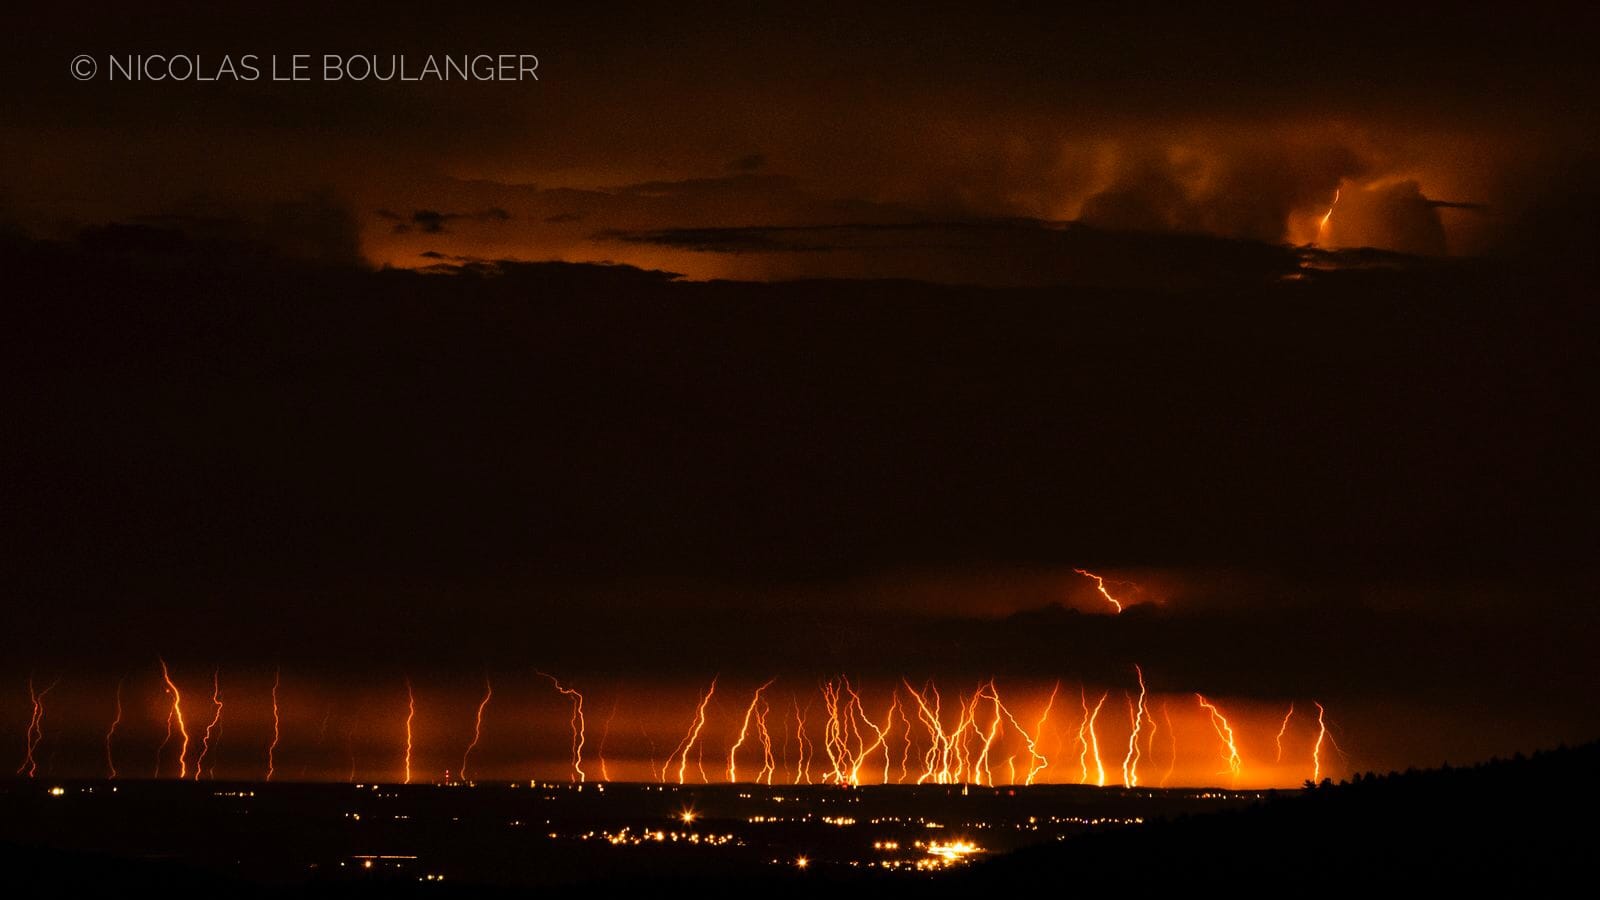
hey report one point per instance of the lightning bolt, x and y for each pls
(477, 727)
(1089, 741)
(1283, 729)
(1172, 758)
(688, 742)
(272, 748)
(175, 714)
(216, 717)
(1316, 749)
(577, 725)
(802, 765)
(1036, 760)
(1130, 763)
(605, 735)
(1219, 722)
(1100, 585)
(30, 766)
(1322, 225)
(411, 713)
(111, 763)
(744, 730)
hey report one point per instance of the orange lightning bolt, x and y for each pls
(1316, 749)
(802, 764)
(1219, 722)
(605, 735)
(175, 714)
(1100, 585)
(477, 727)
(1036, 760)
(1172, 738)
(1282, 730)
(411, 713)
(744, 730)
(1322, 225)
(272, 748)
(1130, 763)
(216, 717)
(111, 763)
(30, 766)
(577, 725)
(1089, 740)
(688, 742)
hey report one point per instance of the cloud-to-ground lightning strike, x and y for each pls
(689, 739)
(411, 713)
(744, 731)
(211, 726)
(30, 765)
(272, 748)
(1089, 741)
(1100, 585)
(1316, 749)
(1172, 740)
(605, 735)
(1283, 729)
(577, 724)
(802, 764)
(477, 727)
(175, 714)
(1130, 763)
(1036, 761)
(1225, 734)
(116, 720)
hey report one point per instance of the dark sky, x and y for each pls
(919, 311)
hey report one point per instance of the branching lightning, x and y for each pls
(30, 765)
(1089, 741)
(750, 716)
(1130, 763)
(1224, 734)
(689, 739)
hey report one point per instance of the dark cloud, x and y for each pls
(431, 221)
(747, 163)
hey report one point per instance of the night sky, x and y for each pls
(802, 341)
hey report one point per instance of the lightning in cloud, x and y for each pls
(216, 718)
(477, 726)
(1322, 224)
(577, 725)
(174, 715)
(1219, 722)
(1100, 585)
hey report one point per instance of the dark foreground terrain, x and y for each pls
(1521, 822)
